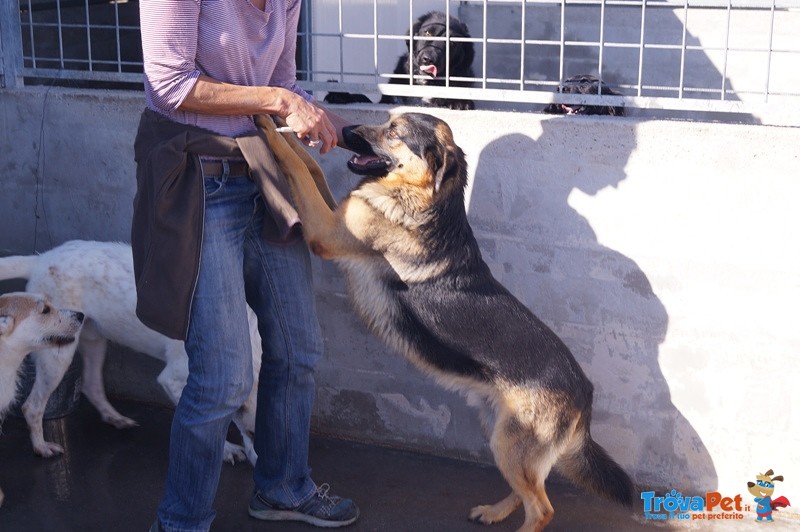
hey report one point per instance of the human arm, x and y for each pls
(170, 36)
(308, 120)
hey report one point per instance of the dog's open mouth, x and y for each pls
(371, 165)
(59, 340)
(366, 161)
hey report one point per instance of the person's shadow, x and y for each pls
(595, 298)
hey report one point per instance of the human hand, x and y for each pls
(310, 123)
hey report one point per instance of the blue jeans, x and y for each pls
(236, 265)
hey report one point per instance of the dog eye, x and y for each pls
(392, 134)
(46, 310)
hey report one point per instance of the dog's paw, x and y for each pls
(462, 105)
(234, 453)
(48, 449)
(120, 422)
(458, 105)
(484, 514)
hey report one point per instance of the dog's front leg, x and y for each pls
(51, 365)
(325, 230)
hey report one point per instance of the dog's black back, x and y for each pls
(466, 320)
(423, 53)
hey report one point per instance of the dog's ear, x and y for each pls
(6, 324)
(779, 478)
(447, 164)
(769, 472)
(458, 28)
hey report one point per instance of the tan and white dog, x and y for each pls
(97, 279)
(28, 322)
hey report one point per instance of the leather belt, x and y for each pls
(215, 168)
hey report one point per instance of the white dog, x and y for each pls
(28, 322)
(97, 279)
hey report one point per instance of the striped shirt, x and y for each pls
(228, 40)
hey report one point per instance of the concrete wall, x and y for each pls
(663, 253)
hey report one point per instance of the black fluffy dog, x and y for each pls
(427, 59)
(584, 84)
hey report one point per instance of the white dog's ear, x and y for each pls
(6, 324)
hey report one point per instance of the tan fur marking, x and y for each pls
(541, 410)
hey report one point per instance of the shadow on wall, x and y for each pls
(596, 299)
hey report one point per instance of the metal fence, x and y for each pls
(78, 40)
(736, 56)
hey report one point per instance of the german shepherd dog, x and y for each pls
(416, 277)
(584, 84)
(428, 59)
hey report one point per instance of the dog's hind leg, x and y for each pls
(93, 347)
(526, 478)
(544, 504)
(490, 513)
(525, 461)
(51, 365)
(247, 438)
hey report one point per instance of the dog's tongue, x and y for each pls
(429, 70)
(365, 160)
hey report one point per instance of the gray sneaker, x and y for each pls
(322, 510)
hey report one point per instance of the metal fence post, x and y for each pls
(10, 45)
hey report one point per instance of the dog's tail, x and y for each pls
(587, 464)
(17, 267)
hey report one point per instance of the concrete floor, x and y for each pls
(111, 480)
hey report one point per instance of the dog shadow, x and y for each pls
(595, 298)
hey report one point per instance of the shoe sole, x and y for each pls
(289, 515)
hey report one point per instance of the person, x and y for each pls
(214, 231)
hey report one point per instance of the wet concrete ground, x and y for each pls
(111, 480)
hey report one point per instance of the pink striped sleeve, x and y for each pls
(285, 73)
(169, 45)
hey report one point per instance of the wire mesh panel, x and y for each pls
(691, 55)
(81, 39)
(713, 55)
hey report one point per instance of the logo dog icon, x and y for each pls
(762, 489)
